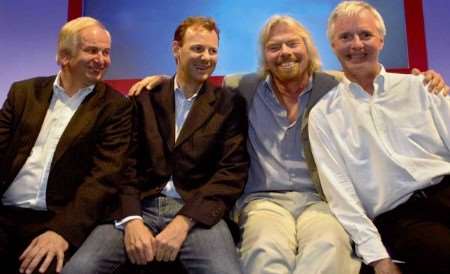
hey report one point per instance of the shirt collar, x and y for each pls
(270, 89)
(59, 91)
(179, 92)
(379, 84)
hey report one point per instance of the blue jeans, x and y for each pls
(205, 250)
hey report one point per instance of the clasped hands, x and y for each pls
(143, 247)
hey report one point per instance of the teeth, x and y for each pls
(357, 55)
(287, 64)
(202, 67)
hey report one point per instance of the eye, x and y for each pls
(293, 44)
(106, 52)
(92, 50)
(212, 51)
(345, 36)
(197, 48)
(365, 35)
(273, 47)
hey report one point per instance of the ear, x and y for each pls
(63, 58)
(382, 42)
(332, 44)
(176, 47)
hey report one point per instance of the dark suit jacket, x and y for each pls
(87, 162)
(208, 162)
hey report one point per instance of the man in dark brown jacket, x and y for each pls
(63, 145)
(189, 165)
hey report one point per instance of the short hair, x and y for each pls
(352, 8)
(69, 35)
(207, 23)
(314, 59)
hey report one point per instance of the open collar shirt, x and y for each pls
(373, 152)
(277, 161)
(28, 190)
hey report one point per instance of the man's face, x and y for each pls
(197, 56)
(357, 43)
(91, 57)
(285, 53)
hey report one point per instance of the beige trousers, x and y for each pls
(276, 242)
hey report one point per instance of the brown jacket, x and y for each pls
(88, 160)
(209, 160)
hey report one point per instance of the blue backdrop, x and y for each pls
(142, 31)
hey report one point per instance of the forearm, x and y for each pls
(340, 192)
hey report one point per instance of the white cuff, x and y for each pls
(372, 250)
(120, 224)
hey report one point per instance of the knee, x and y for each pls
(330, 237)
(273, 237)
(82, 263)
(336, 235)
(265, 245)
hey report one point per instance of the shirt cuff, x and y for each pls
(120, 224)
(372, 250)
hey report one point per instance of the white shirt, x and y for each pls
(183, 106)
(28, 190)
(373, 152)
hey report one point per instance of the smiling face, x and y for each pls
(357, 43)
(285, 53)
(90, 58)
(196, 55)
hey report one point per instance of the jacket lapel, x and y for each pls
(202, 109)
(321, 84)
(31, 122)
(82, 119)
(164, 106)
(36, 112)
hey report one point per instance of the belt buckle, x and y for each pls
(421, 194)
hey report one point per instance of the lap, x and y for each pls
(268, 243)
(318, 223)
(263, 216)
(102, 252)
(418, 231)
(203, 246)
(323, 244)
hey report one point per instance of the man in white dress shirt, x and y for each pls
(382, 147)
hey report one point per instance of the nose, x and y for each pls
(207, 56)
(102, 58)
(285, 50)
(356, 42)
(98, 58)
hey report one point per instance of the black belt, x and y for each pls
(426, 193)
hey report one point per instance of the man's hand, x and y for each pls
(385, 266)
(148, 82)
(170, 240)
(139, 242)
(436, 83)
(44, 247)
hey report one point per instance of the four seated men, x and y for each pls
(380, 142)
